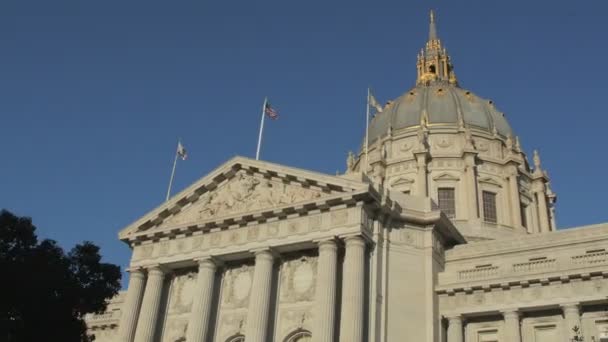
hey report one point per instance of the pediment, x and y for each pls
(489, 180)
(446, 177)
(243, 187)
(241, 194)
(402, 181)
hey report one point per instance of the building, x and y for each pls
(442, 232)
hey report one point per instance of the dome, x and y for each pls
(437, 104)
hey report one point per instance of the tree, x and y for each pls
(44, 292)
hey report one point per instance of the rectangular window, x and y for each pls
(447, 201)
(489, 207)
(524, 218)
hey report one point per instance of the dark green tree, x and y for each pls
(44, 292)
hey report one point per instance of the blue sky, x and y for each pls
(94, 94)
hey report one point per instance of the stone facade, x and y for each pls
(439, 231)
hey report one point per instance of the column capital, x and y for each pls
(136, 272)
(571, 307)
(208, 262)
(157, 270)
(454, 318)
(511, 313)
(327, 243)
(264, 253)
(353, 240)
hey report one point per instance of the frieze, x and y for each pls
(490, 299)
(242, 236)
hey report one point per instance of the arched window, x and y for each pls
(299, 336)
(236, 338)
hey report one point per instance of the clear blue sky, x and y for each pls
(95, 93)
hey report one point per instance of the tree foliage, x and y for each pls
(45, 292)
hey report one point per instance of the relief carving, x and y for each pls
(237, 283)
(298, 278)
(244, 193)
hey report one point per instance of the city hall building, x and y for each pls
(443, 231)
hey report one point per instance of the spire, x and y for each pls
(434, 64)
(432, 28)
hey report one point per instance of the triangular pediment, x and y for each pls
(241, 194)
(489, 180)
(402, 181)
(243, 187)
(446, 177)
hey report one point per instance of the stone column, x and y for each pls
(515, 202)
(512, 326)
(471, 186)
(259, 297)
(421, 177)
(353, 291)
(198, 327)
(572, 318)
(130, 308)
(542, 212)
(455, 333)
(325, 292)
(150, 307)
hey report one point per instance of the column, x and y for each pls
(259, 297)
(353, 282)
(421, 180)
(515, 203)
(146, 325)
(198, 327)
(572, 318)
(130, 308)
(325, 292)
(542, 212)
(455, 329)
(471, 186)
(512, 326)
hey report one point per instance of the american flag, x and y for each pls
(271, 112)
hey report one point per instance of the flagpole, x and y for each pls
(257, 153)
(172, 174)
(367, 133)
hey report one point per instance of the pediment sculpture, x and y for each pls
(241, 194)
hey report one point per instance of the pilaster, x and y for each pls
(455, 329)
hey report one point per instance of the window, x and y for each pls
(524, 219)
(447, 201)
(489, 207)
(406, 192)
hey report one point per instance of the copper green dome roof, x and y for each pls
(440, 103)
